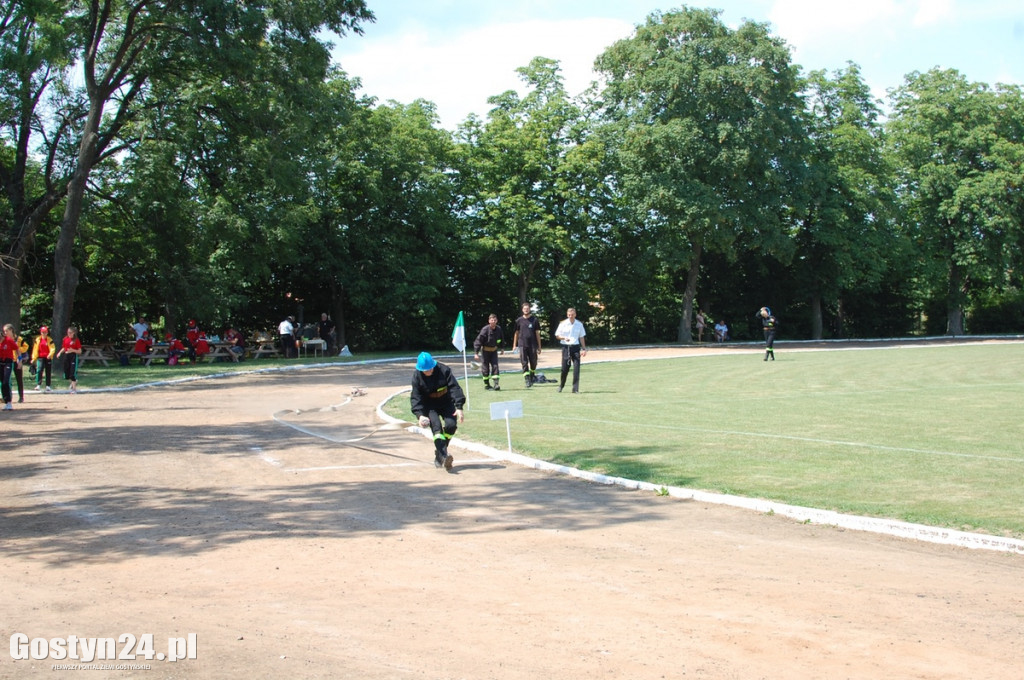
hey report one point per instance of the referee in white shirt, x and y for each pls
(573, 336)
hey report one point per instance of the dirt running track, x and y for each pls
(195, 509)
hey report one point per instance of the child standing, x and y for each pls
(8, 360)
(71, 348)
(19, 368)
(43, 349)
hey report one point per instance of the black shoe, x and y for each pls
(766, 357)
(575, 391)
(560, 388)
(497, 389)
(487, 387)
(439, 459)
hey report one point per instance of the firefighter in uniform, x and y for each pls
(527, 339)
(488, 344)
(768, 325)
(437, 400)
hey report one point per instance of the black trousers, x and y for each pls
(443, 423)
(489, 363)
(528, 359)
(571, 357)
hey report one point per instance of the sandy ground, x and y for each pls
(231, 509)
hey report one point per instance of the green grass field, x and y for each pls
(928, 434)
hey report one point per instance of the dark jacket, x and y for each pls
(438, 389)
(489, 339)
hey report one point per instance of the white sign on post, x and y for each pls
(506, 410)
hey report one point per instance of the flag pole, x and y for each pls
(459, 341)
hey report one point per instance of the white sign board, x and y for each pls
(500, 410)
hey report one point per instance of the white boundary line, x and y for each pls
(889, 527)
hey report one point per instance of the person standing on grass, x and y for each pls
(286, 333)
(71, 350)
(573, 337)
(437, 400)
(325, 330)
(488, 344)
(8, 362)
(527, 339)
(768, 324)
(43, 349)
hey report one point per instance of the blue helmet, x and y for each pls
(425, 362)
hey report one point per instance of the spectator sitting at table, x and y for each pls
(202, 346)
(235, 341)
(191, 337)
(175, 349)
(143, 346)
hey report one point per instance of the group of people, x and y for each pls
(291, 341)
(437, 399)
(768, 326)
(194, 346)
(15, 352)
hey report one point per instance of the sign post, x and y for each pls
(506, 410)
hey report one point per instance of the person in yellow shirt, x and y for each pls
(43, 349)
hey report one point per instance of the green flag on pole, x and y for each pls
(459, 334)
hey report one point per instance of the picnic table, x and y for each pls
(96, 353)
(265, 348)
(222, 350)
(317, 344)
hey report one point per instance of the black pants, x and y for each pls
(288, 345)
(570, 357)
(19, 375)
(528, 359)
(769, 340)
(6, 369)
(442, 423)
(43, 365)
(488, 364)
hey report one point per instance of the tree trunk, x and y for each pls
(685, 335)
(65, 274)
(338, 313)
(10, 295)
(816, 323)
(955, 301)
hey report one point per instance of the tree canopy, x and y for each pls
(206, 160)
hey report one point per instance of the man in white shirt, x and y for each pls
(141, 328)
(573, 336)
(286, 331)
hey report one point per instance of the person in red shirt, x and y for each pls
(202, 346)
(71, 349)
(175, 349)
(142, 346)
(43, 349)
(8, 361)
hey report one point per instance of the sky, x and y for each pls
(457, 53)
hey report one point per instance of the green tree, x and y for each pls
(121, 48)
(711, 138)
(385, 238)
(844, 239)
(522, 206)
(959, 151)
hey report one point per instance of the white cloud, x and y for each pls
(468, 67)
(933, 12)
(803, 22)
